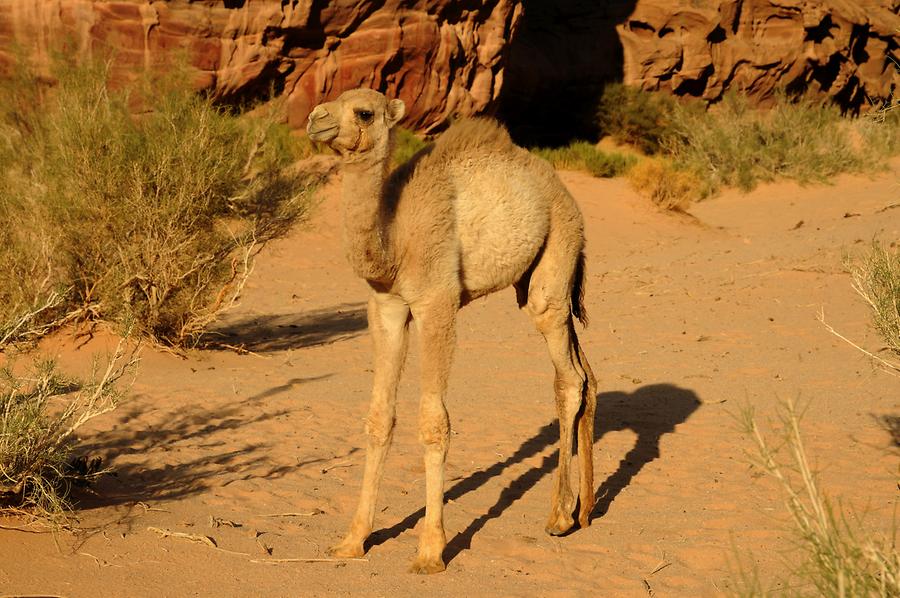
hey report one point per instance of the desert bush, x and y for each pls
(880, 128)
(406, 145)
(143, 204)
(667, 186)
(581, 155)
(736, 145)
(40, 412)
(636, 117)
(876, 277)
(838, 557)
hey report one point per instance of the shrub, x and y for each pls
(406, 145)
(581, 155)
(839, 558)
(152, 217)
(876, 277)
(880, 129)
(668, 187)
(37, 435)
(636, 117)
(736, 145)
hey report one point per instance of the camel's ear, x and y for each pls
(395, 111)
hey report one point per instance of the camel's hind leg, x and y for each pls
(388, 323)
(549, 303)
(586, 441)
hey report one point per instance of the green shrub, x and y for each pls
(581, 155)
(876, 277)
(636, 117)
(143, 204)
(736, 145)
(406, 145)
(880, 129)
(40, 411)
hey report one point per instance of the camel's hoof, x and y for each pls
(427, 566)
(559, 525)
(584, 520)
(347, 550)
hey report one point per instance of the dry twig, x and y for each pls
(165, 533)
(887, 366)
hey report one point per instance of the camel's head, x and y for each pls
(356, 122)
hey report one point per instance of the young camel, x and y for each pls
(471, 215)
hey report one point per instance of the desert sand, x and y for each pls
(693, 317)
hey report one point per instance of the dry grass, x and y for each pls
(667, 186)
(733, 144)
(151, 218)
(736, 145)
(838, 557)
(581, 155)
(40, 412)
(876, 277)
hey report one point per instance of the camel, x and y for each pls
(471, 215)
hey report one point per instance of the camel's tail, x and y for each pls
(578, 291)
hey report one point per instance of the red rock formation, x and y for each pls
(535, 60)
(442, 58)
(846, 49)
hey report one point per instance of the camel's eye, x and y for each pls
(365, 116)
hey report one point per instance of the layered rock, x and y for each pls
(541, 63)
(442, 58)
(565, 51)
(846, 49)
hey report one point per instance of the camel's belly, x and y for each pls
(502, 223)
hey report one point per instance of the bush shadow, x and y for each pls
(891, 425)
(650, 412)
(280, 332)
(183, 454)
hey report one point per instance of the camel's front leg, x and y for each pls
(436, 324)
(388, 319)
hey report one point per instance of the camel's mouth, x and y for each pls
(322, 125)
(322, 132)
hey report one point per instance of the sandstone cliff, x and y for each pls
(442, 58)
(843, 48)
(534, 61)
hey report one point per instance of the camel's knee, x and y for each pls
(434, 426)
(379, 428)
(569, 397)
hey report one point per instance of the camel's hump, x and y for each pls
(465, 136)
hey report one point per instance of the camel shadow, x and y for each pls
(269, 333)
(650, 412)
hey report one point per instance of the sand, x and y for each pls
(693, 318)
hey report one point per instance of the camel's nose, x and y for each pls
(318, 112)
(322, 126)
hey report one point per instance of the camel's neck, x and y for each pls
(366, 220)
